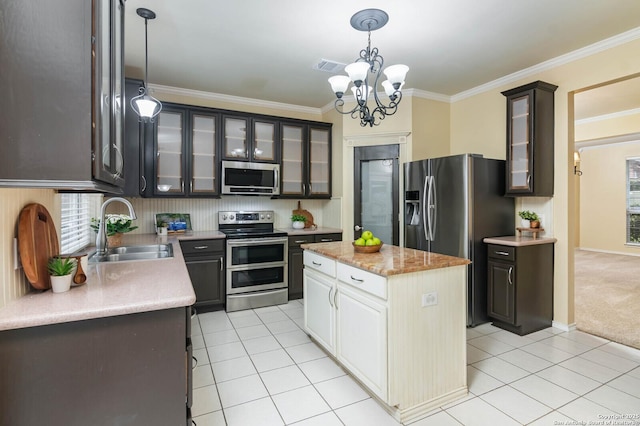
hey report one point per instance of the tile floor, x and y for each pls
(258, 367)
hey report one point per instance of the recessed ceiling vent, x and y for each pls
(327, 65)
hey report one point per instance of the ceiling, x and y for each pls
(265, 50)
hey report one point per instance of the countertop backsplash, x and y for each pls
(204, 212)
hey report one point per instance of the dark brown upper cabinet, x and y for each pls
(306, 160)
(248, 138)
(530, 140)
(62, 97)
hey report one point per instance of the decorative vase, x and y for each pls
(298, 225)
(535, 224)
(62, 283)
(114, 240)
(525, 223)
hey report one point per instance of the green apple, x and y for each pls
(359, 242)
(367, 235)
(376, 241)
(371, 242)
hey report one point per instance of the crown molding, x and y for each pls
(199, 94)
(592, 49)
(608, 116)
(609, 140)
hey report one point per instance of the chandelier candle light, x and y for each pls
(369, 66)
(145, 105)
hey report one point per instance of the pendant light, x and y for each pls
(145, 105)
(368, 67)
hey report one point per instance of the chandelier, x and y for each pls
(145, 105)
(366, 69)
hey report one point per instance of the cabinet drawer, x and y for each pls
(363, 280)
(502, 252)
(296, 240)
(320, 263)
(199, 247)
(327, 238)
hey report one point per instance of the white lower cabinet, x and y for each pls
(319, 311)
(362, 338)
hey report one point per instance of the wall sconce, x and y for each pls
(576, 162)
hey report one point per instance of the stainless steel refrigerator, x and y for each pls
(451, 204)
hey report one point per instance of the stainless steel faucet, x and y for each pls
(101, 239)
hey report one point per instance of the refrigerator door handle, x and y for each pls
(433, 206)
(425, 218)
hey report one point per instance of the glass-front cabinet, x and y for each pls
(530, 140)
(306, 161)
(249, 139)
(184, 153)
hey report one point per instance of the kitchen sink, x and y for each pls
(146, 252)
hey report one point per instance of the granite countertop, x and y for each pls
(517, 241)
(308, 231)
(390, 260)
(111, 289)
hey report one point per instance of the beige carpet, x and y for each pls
(607, 296)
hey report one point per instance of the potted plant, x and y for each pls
(60, 270)
(298, 221)
(117, 225)
(529, 219)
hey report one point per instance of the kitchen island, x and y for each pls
(396, 320)
(115, 350)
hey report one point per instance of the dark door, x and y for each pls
(376, 188)
(501, 300)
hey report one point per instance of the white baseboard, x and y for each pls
(562, 326)
(610, 251)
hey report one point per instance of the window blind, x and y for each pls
(75, 233)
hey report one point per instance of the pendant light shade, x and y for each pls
(146, 106)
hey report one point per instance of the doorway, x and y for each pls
(376, 192)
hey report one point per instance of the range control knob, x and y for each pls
(224, 217)
(261, 216)
(268, 216)
(231, 217)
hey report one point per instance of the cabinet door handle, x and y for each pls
(502, 253)
(510, 273)
(326, 240)
(316, 263)
(335, 298)
(221, 264)
(356, 279)
(529, 181)
(144, 181)
(200, 247)
(300, 241)
(330, 302)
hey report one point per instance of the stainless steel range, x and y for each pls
(256, 260)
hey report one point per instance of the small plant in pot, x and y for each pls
(60, 270)
(529, 219)
(298, 221)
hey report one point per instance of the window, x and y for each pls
(633, 201)
(75, 233)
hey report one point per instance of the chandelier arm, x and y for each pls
(339, 103)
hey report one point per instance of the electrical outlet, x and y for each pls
(430, 299)
(16, 256)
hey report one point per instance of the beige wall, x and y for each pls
(604, 198)
(431, 129)
(14, 284)
(478, 124)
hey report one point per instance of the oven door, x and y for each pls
(245, 280)
(247, 253)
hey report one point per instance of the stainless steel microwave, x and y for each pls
(243, 178)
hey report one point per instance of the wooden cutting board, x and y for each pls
(37, 243)
(309, 222)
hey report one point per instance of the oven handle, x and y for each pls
(256, 241)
